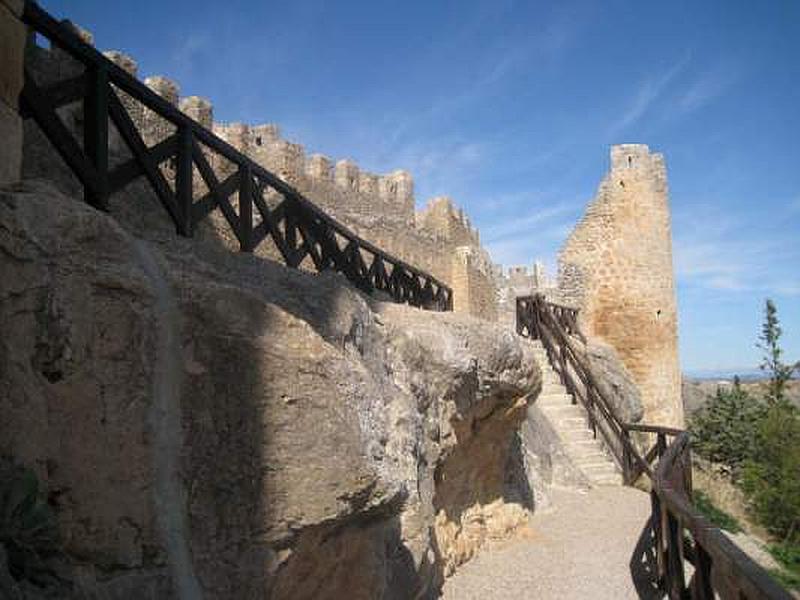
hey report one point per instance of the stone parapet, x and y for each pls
(379, 207)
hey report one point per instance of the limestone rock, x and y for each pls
(615, 380)
(215, 424)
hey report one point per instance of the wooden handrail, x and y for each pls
(297, 226)
(721, 569)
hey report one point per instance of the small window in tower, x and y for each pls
(630, 161)
(258, 141)
(658, 313)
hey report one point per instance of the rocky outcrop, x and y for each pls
(614, 379)
(215, 425)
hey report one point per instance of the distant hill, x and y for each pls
(745, 374)
(695, 391)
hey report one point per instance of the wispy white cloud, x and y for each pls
(538, 242)
(715, 251)
(435, 161)
(707, 88)
(649, 91)
(185, 56)
(526, 225)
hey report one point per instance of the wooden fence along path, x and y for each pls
(298, 228)
(681, 536)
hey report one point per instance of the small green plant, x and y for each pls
(788, 556)
(27, 526)
(716, 515)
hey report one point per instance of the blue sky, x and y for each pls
(510, 107)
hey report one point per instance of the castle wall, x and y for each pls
(474, 287)
(616, 266)
(518, 281)
(379, 208)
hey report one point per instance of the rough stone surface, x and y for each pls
(546, 459)
(213, 423)
(616, 266)
(518, 281)
(614, 379)
(11, 148)
(12, 49)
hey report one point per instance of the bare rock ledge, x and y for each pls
(215, 425)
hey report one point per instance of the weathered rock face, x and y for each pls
(215, 425)
(615, 380)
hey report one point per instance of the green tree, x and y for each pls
(772, 477)
(772, 363)
(725, 430)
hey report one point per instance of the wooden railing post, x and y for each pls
(658, 537)
(246, 207)
(676, 581)
(661, 445)
(184, 185)
(702, 588)
(95, 133)
(627, 459)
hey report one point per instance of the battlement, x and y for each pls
(379, 207)
(637, 157)
(442, 218)
(164, 87)
(199, 109)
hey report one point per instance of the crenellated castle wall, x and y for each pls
(379, 207)
(516, 281)
(616, 266)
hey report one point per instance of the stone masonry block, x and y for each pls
(319, 167)
(164, 87)
(198, 109)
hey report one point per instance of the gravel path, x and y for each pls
(580, 549)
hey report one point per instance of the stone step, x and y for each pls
(557, 412)
(600, 469)
(576, 435)
(554, 384)
(549, 389)
(593, 461)
(606, 480)
(594, 458)
(576, 448)
(554, 399)
(569, 423)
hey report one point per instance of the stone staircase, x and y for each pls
(571, 423)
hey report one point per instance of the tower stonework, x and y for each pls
(616, 266)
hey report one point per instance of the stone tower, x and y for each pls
(616, 266)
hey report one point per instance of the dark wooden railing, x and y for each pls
(680, 534)
(298, 228)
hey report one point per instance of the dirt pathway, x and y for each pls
(583, 548)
